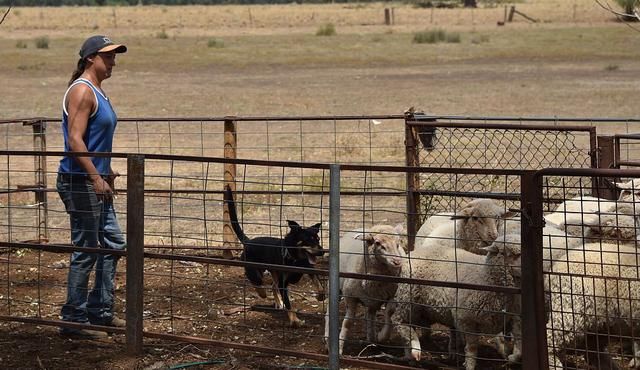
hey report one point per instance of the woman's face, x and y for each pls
(103, 63)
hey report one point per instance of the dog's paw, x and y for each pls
(297, 323)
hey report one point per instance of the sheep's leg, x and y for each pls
(386, 329)
(635, 361)
(598, 355)
(455, 342)
(370, 320)
(410, 336)
(555, 343)
(516, 331)
(352, 307)
(326, 330)
(470, 351)
(503, 348)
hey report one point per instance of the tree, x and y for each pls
(631, 8)
(470, 4)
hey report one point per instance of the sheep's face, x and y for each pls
(482, 219)
(629, 190)
(387, 249)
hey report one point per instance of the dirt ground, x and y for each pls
(184, 299)
(576, 62)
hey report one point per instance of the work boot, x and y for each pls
(117, 322)
(83, 333)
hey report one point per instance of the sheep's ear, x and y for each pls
(624, 185)
(399, 229)
(509, 214)
(368, 238)
(493, 248)
(464, 213)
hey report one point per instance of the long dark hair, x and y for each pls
(82, 64)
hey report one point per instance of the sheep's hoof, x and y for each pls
(514, 358)
(416, 354)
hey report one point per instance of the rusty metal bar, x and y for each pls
(61, 248)
(413, 183)
(503, 126)
(229, 238)
(534, 350)
(607, 154)
(347, 117)
(39, 129)
(135, 252)
(289, 164)
(284, 352)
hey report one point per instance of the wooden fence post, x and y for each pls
(230, 145)
(135, 252)
(387, 16)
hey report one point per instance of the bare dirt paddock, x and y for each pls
(266, 60)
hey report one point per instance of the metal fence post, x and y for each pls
(534, 338)
(413, 182)
(334, 266)
(230, 146)
(607, 154)
(135, 252)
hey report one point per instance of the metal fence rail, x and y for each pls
(193, 295)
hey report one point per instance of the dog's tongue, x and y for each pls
(311, 258)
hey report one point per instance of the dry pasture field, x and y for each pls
(199, 61)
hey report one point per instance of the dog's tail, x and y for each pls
(233, 214)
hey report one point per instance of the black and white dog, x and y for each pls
(299, 248)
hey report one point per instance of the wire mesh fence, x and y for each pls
(190, 292)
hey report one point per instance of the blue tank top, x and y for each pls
(99, 134)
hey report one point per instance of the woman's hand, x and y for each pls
(102, 188)
(111, 180)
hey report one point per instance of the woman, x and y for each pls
(85, 185)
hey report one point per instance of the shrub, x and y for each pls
(612, 67)
(628, 7)
(42, 42)
(453, 38)
(215, 43)
(429, 37)
(326, 30)
(162, 35)
(21, 44)
(480, 39)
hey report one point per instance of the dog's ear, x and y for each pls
(315, 228)
(293, 225)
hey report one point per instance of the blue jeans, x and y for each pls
(93, 224)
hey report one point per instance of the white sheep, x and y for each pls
(379, 250)
(601, 291)
(426, 305)
(489, 312)
(581, 210)
(473, 227)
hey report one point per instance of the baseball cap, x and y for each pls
(100, 44)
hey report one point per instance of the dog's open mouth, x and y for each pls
(312, 254)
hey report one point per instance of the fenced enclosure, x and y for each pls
(191, 294)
